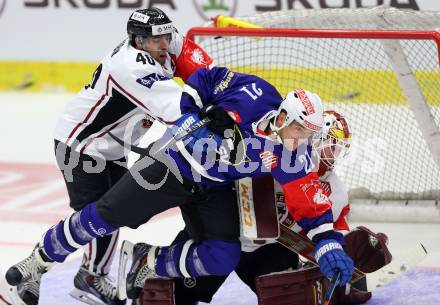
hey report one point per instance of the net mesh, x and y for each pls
(389, 158)
(382, 18)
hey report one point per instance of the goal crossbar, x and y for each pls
(317, 33)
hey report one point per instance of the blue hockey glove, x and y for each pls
(332, 258)
(200, 141)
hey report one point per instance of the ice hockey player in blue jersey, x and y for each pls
(252, 131)
(249, 150)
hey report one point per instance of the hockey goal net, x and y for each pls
(379, 67)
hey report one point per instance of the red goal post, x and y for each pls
(385, 79)
(316, 33)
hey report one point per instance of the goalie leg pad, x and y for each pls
(303, 287)
(257, 208)
(157, 292)
(300, 287)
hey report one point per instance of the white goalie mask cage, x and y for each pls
(334, 140)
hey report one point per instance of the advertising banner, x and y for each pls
(84, 30)
(51, 44)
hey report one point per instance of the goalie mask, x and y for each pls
(149, 22)
(334, 141)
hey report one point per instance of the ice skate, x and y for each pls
(143, 259)
(95, 289)
(29, 269)
(24, 278)
(17, 295)
(27, 293)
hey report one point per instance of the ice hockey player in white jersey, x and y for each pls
(132, 86)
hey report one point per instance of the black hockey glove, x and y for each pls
(220, 120)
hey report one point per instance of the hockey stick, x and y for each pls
(147, 151)
(331, 288)
(182, 134)
(304, 247)
(397, 267)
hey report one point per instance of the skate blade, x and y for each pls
(85, 297)
(15, 298)
(125, 255)
(9, 294)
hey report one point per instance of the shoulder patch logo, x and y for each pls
(269, 159)
(314, 192)
(320, 198)
(197, 56)
(150, 79)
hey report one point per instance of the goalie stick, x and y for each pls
(397, 267)
(334, 282)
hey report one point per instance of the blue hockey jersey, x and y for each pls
(252, 102)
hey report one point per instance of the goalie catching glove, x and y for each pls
(332, 259)
(368, 249)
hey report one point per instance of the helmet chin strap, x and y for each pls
(276, 130)
(141, 39)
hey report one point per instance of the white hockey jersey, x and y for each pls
(127, 87)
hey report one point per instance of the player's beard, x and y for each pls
(161, 58)
(159, 55)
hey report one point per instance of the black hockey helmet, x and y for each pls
(149, 22)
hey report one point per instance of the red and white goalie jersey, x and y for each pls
(128, 89)
(335, 190)
(332, 187)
